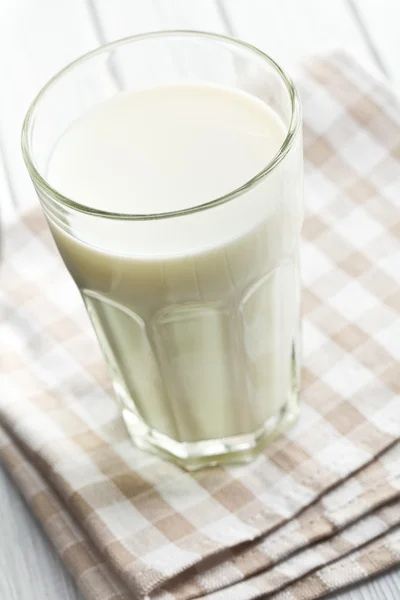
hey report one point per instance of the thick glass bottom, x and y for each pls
(205, 382)
(196, 455)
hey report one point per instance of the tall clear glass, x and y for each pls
(203, 348)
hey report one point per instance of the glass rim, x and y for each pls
(64, 201)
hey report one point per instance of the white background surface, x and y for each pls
(38, 37)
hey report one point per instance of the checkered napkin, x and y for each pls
(320, 509)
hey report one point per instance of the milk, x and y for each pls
(197, 314)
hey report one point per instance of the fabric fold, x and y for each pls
(291, 567)
(321, 498)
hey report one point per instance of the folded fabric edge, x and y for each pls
(298, 564)
(338, 483)
(91, 573)
(299, 572)
(95, 579)
(125, 574)
(374, 558)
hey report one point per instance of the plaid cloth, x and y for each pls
(317, 510)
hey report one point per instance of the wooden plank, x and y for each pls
(380, 23)
(30, 568)
(122, 18)
(190, 14)
(385, 587)
(36, 40)
(289, 29)
(34, 44)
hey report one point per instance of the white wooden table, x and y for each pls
(38, 37)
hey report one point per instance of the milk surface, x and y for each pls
(197, 315)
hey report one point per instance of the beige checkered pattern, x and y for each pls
(319, 509)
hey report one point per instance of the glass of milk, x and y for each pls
(169, 167)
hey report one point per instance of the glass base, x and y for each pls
(209, 453)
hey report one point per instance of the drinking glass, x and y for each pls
(202, 347)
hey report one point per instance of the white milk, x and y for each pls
(197, 314)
